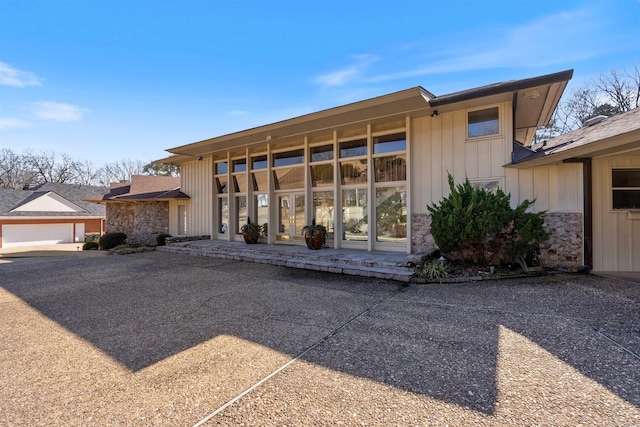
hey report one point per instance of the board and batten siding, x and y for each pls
(616, 233)
(555, 188)
(197, 183)
(439, 147)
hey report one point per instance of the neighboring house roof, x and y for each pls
(143, 188)
(534, 101)
(51, 199)
(605, 135)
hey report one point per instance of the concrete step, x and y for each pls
(332, 264)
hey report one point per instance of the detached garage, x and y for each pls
(49, 214)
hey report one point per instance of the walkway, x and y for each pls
(383, 265)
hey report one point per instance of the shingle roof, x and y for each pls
(11, 199)
(616, 133)
(143, 187)
(607, 128)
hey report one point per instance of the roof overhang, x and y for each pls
(534, 100)
(398, 105)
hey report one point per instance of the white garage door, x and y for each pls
(36, 234)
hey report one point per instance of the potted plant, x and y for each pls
(315, 236)
(251, 231)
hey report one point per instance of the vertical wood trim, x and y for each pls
(371, 190)
(337, 194)
(408, 185)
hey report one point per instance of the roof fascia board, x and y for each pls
(510, 86)
(263, 133)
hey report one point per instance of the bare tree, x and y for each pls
(86, 173)
(120, 171)
(609, 94)
(15, 173)
(52, 167)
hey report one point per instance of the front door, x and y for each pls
(290, 217)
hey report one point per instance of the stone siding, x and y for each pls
(564, 249)
(421, 238)
(150, 220)
(119, 218)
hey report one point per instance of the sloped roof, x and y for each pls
(617, 133)
(73, 193)
(534, 100)
(143, 187)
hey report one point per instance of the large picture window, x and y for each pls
(626, 188)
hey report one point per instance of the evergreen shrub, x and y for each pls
(91, 245)
(111, 240)
(473, 224)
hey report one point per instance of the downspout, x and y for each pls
(587, 189)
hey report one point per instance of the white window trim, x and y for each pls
(483, 137)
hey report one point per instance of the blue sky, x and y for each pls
(110, 80)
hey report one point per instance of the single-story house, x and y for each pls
(368, 170)
(144, 207)
(49, 213)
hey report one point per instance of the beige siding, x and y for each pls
(616, 234)
(197, 183)
(439, 147)
(556, 188)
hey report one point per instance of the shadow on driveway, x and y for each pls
(440, 341)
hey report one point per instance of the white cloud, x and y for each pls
(348, 74)
(559, 39)
(13, 123)
(10, 76)
(46, 110)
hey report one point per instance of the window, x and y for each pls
(389, 143)
(288, 158)
(259, 162)
(483, 123)
(323, 210)
(324, 152)
(353, 148)
(355, 226)
(322, 175)
(288, 178)
(626, 188)
(240, 165)
(391, 214)
(221, 168)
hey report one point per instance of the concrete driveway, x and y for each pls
(163, 339)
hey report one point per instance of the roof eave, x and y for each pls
(394, 105)
(499, 88)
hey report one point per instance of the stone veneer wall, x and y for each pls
(150, 219)
(564, 249)
(421, 238)
(119, 218)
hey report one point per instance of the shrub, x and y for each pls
(475, 225)
(161, 240)
(91, 245)
(434, 270)
(111, 240)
